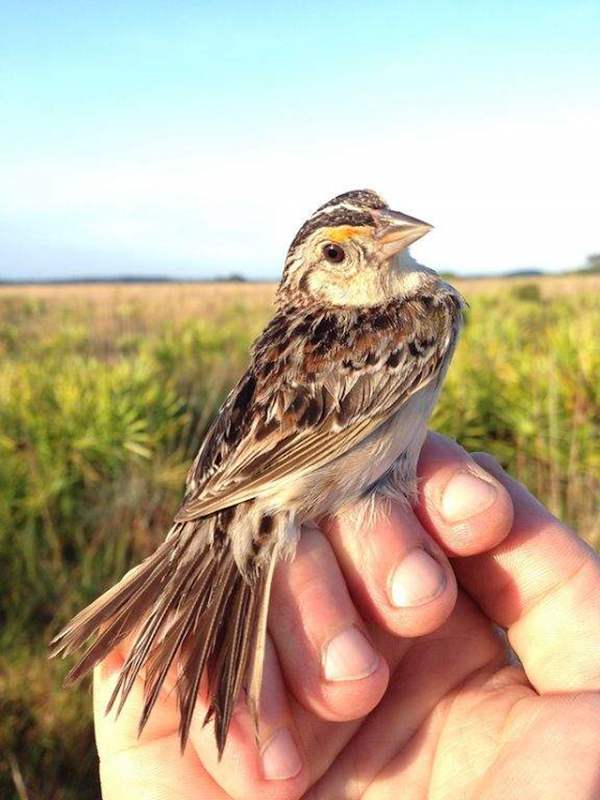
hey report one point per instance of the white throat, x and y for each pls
(376, 286)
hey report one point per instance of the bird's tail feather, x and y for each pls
(195, 609)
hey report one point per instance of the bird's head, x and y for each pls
(353, 251)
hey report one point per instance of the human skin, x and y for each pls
(418, 694)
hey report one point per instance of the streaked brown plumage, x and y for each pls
(331, 411)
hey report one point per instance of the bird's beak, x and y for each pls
(396, 231)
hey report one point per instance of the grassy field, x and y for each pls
(105, 393)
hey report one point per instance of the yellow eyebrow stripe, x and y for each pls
(341, 233)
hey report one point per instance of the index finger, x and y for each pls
(541, 583)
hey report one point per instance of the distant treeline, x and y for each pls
(234, 278)
(592, 266)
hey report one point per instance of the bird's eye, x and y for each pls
(334, 253)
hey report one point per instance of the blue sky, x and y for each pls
(193, 138)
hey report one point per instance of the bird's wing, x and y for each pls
(311, 395)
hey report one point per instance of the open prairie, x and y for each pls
(105, 393)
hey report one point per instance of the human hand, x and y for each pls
(438, 711)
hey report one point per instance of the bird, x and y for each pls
(331, 413)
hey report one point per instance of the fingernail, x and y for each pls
(417, 579)
(280, 757)
(465, 496)
(349, 657)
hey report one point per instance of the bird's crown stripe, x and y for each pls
(335, 207)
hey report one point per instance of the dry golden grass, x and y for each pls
(158, 300)
(201, 298)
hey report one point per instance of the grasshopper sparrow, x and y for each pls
(331, 412)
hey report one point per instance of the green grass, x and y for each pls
(104, 399)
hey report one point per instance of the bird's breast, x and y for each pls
(347, 478)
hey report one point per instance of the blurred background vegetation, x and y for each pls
(105, 394)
